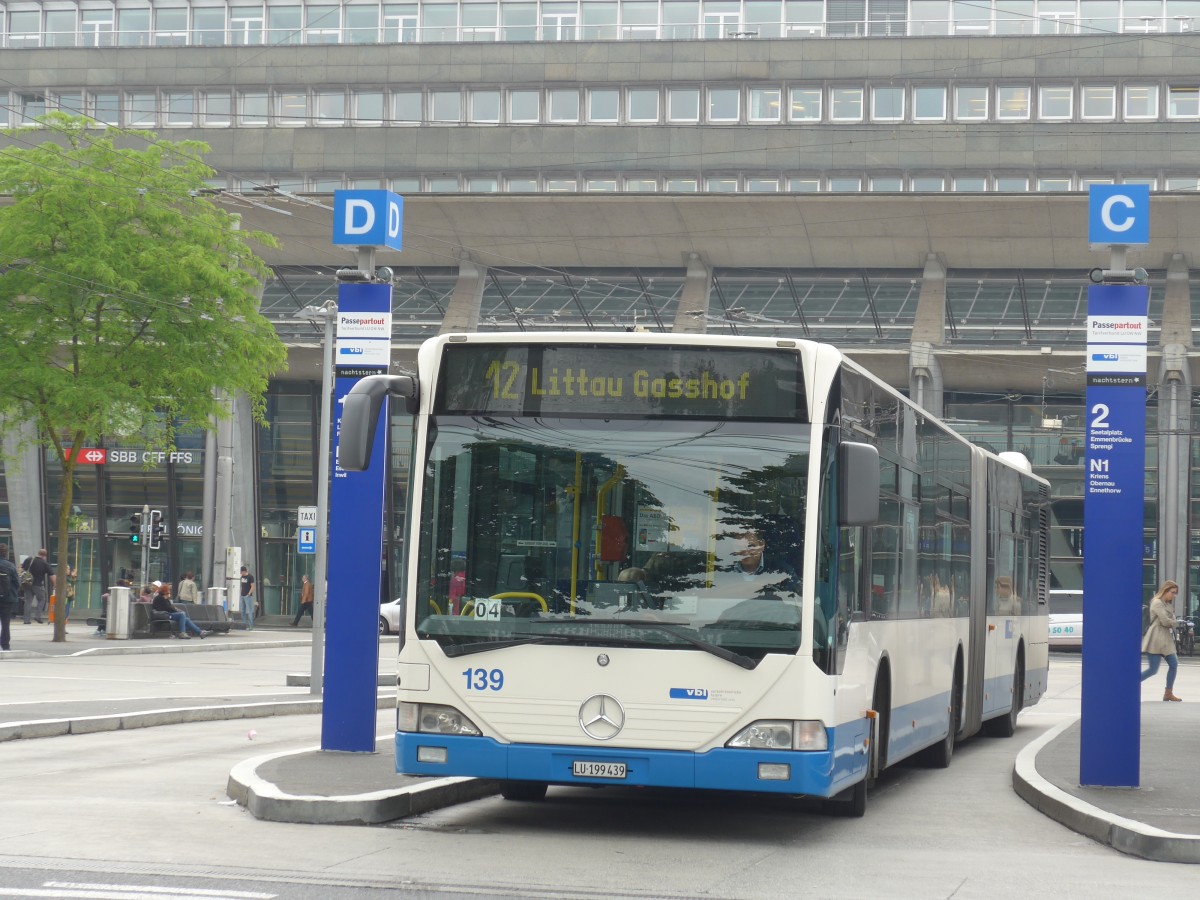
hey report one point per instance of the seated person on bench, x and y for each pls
(162, 603)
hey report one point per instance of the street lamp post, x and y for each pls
(328, 313)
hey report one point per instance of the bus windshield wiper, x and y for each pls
(485, 646)
(707, 646)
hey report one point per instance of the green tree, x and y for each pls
(128, 298)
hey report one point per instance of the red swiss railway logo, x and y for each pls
(91, 456)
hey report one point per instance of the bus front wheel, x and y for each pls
(530, 791)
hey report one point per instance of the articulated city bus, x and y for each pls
(700, 562)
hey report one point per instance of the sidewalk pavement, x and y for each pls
(1158, 821)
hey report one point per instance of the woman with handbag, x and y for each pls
(1160, 639)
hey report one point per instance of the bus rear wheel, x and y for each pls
(529, 791)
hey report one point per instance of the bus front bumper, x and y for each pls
(814, 773)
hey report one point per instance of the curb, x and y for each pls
(173, 647)
(265, 800)
(1125, 835)
(43, 728)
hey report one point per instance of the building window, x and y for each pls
(485, 106)
(1054, 183)
(170, 27)
(970, 184)
(887, 184)
(322, 24)
(846, 104)
(604, 105)
(480, 22)
(524, 106)
(1054, 102)
(1012, 103)
(804, 105)
(1012, 183)
(721, 184)
(1141, 101)
(404, 186)
(97, 27)
(330, 107)
(443, 184)
(564, 106)
(683, 104)
(928, 184)
(970, 103)
(1098, 101)
(368, 107)
(641, 185)
(142, 110)
(762, 185)
(406, 107)
(845, 184)
(929, 103)
(1183, 102)
(291, 109)
(562, 185)
(724, 104)
(362, 23)
(683, 185)
(643, 105)
(208, 26)
(765, 104)
(477, 185)
(216, 109)
(60, 28)
(133, 27)
(445, 106)
(601, 185)
(887, 104)
(1186, 183)
(106, 108)
(522, 185)
(801, 184)
(283, 24)
(246, 25)
(252, 108)
(181, 110)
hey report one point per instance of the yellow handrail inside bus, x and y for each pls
(577, 493)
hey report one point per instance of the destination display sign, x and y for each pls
(620, 380)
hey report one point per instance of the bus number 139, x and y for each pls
(484, 679)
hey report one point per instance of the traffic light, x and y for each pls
(156, 529)
(135, 528)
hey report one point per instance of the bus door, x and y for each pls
(976, 650)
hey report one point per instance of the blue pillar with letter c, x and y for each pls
(1114, 498)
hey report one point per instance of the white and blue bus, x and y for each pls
(700, 562)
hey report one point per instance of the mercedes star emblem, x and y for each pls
(601, 717)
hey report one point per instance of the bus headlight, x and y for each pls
(781, 734)
(430, 718)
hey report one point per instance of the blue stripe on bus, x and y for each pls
(816, 773)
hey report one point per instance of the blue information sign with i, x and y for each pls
(1113, 510)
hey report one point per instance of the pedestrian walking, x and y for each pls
(306, 600)
(43, 580)
(10, 594)
(188, 592)
(1159, 641)
(247, 598)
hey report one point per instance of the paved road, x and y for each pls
(149, 807)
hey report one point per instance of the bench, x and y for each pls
(144, 623)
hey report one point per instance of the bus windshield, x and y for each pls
(676, 534)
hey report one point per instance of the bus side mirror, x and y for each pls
(858, 484)
(360, 416)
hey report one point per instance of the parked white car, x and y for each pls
(389, 617)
